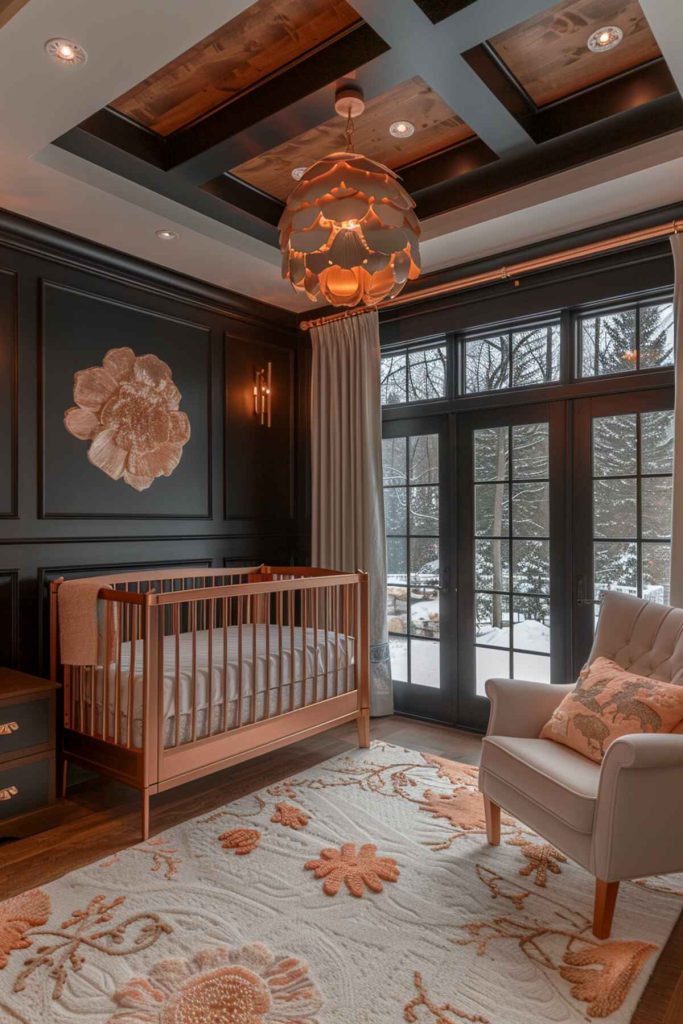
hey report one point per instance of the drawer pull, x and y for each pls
(8, 792)
(8, 727)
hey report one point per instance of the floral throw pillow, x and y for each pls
(608, 702)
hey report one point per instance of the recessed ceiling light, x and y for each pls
(604, 39)
(166, 235)
(401, 129)
(65, 51)
(298, 173)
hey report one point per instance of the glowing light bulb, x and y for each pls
(604, 39)
(65, 51)
(401, 129)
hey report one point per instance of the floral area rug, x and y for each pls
(359, 892)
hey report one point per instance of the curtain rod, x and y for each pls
(514, 270)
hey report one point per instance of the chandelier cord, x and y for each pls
(349, 131)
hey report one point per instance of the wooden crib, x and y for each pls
(199, 669)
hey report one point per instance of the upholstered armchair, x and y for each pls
(620, 819)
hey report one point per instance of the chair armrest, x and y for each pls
(638, 828)
(521, 708)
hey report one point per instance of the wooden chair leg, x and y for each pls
(363, 723)
(145, 814)
(63, 777)
(492, 812)
(603, 910)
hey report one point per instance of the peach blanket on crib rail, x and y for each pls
(78, 621)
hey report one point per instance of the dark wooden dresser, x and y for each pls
(27, 753)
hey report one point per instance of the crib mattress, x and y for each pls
(244, 659)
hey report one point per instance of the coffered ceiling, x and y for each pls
(197, 114)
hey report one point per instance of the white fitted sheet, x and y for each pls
(254, 655)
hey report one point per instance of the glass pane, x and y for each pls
(427, 374)
(424, 510)
(487, 363)
(423, 459)
(531, 623)
(491, 664)
(530, 451)
(424, 562)
(393, 384)
(614, 508)
(614, 445)
(491, 565)
(608, 343)
(491, 512)
(424, 612)
(397, 609)
(535, 355)
(395, 509)
(656, 572)
(656, 335)
(530, 566)
(655, 498)
(615, 567)
(533, 667)
(394, 460)
(425, 663)
(491, 455)
(398, 652)
(656, 441)
(530, 509)
(397, 560)
(492, 620)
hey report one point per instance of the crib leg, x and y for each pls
(145, 814)
(363, 723)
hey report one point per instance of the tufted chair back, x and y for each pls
(641, 636)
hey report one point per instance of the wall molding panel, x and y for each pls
(64, 303)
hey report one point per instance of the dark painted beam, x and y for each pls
(616, 96)
(617, 133)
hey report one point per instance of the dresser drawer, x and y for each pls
(25, 785)
(24, 726)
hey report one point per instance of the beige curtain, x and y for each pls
(346, 453)
(677, 511)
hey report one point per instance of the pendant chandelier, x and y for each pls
(348, 230)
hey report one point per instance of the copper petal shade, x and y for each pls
(348, 231)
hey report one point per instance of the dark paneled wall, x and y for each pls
(236, 495)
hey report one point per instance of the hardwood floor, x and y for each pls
(100, 817)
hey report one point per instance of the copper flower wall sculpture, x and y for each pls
(128, 409)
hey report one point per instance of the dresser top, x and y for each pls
(19, 684)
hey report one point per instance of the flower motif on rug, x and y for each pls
(290, 816)
(541, 857)
(444, 1013)
(241, 840)
(602, 975)
(359, 870)
(250, 985)
(458, 774)
(128, 409)
(95, 929)
(19, 914)
(464, 810)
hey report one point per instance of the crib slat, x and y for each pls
(193, 616)
(118, 629)
(278, 617)
(240, 609)
(292, 674)
(326, 603)
(335, 616)
(132, 612)
(225, 663)
(314, 596)
(210, 612)
(304, 649)
(345, 595)
(252, 717)
(266, 626)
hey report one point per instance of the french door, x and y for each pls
(511, 551)
(417, 505)
(623, 455)
(504, 528)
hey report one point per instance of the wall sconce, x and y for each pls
(262, 394)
